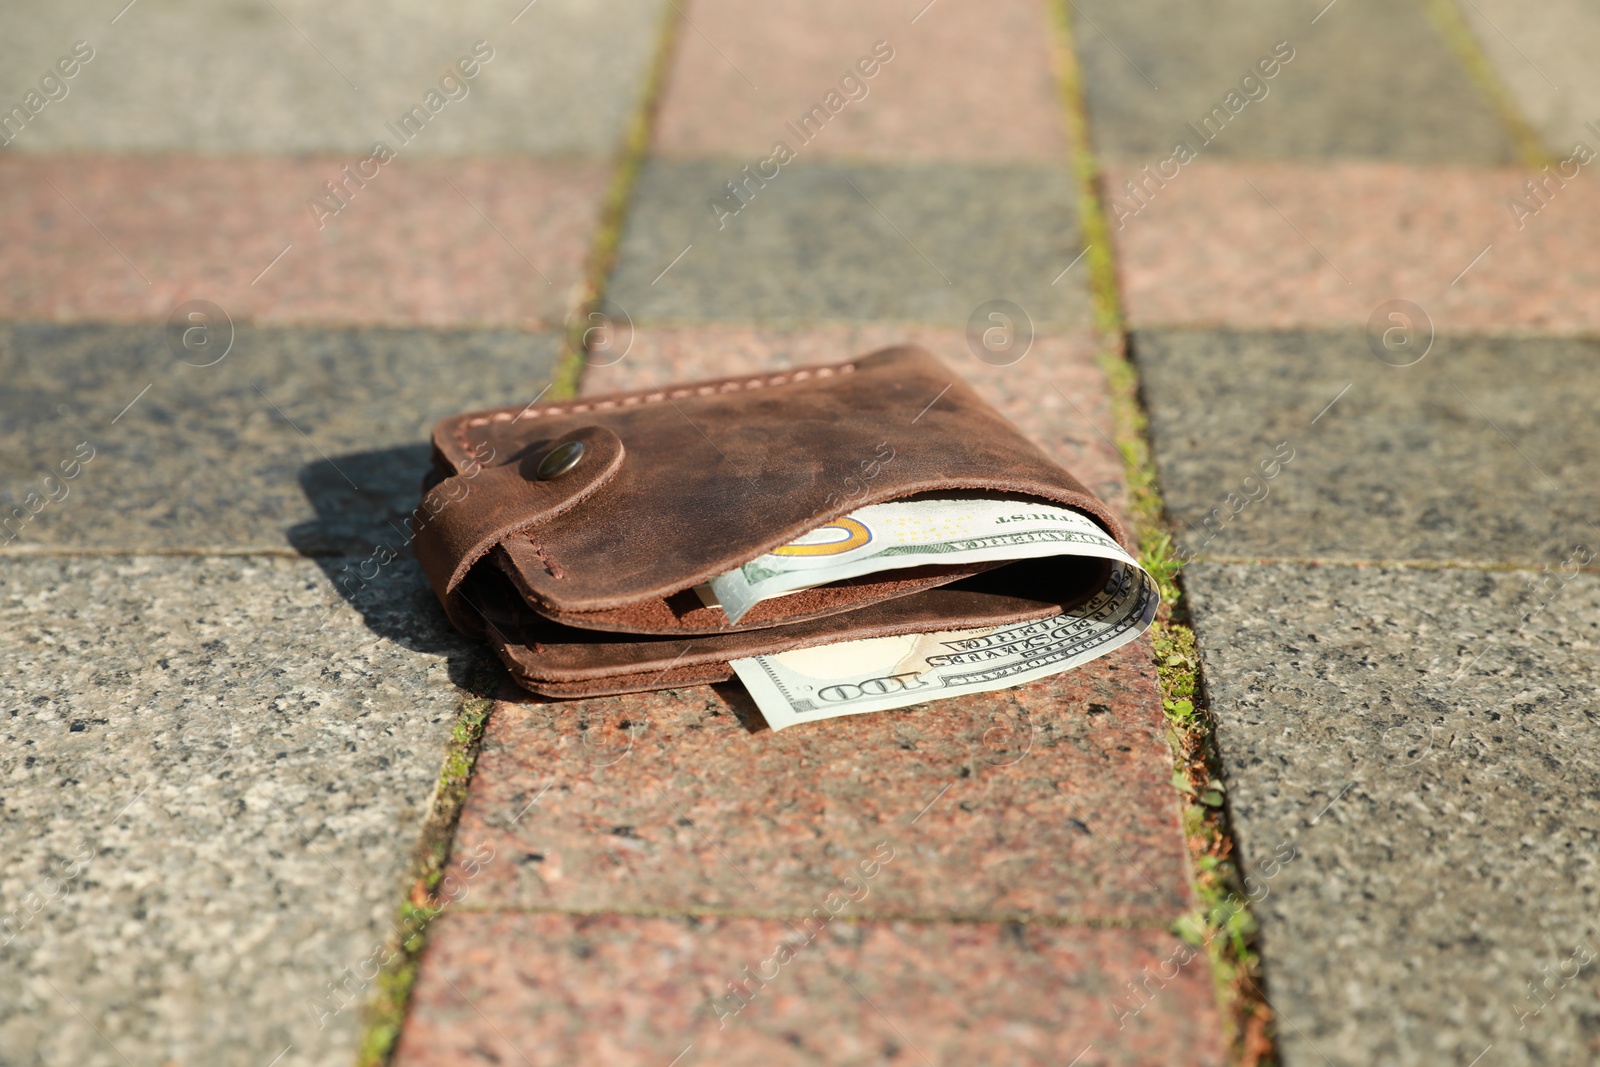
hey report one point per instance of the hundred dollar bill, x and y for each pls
(909, 533)
(880, 673)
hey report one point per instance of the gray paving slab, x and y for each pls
(214, 774)
(1544, 54)
(842, 241)
(314, 439)
(1414, 773)
(1474, 453)
(1364, 79)
(562, 77)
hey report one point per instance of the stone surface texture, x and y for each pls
(223, 707)
(1412, 771)
(1272, 246)
(1469, 455)
(830, 241)
(420, 242)
(214, 772)
(1045, 801)
(303, 438)
(1358, 79)
(1544, 54)
(524, 988)
(562, 77)
(962, 80)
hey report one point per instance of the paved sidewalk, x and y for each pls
(1398, 636)
(1037, 864)
(237, 719)
(228, 701)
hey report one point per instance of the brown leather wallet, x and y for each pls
(571, 535)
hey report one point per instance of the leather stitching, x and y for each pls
(760, 381)
(550, 566)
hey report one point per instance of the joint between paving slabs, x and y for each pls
(1063, 920)
(1450, 23)
(1501, 566)
(568, 374)
(385, 1012)
(1223, 923)
(124, 550)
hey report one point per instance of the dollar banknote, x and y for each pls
(909, 533)
(877, 674)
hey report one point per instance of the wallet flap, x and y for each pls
(465, 515)
(711, 475)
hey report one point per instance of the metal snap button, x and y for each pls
(560, 460)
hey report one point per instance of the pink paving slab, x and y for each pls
(435, 243)
(1049, 800)
(550, 989)
(1283, 245)
(963, 79)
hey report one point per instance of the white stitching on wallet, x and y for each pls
(630, 399)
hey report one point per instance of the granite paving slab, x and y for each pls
(1474, 453)
(1352, 79)
(417, 241)
(960, 80)
(315, 439)
(214, 773)
(557, 989)
(562, 77)
(830, 241)
(1412, 766)
(1544, 54)
(1269, 245)
(1047, 800)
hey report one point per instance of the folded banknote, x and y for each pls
(876, 674)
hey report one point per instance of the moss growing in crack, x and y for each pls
(613, 213)
(385, 1012)
(1222, 921)
(1449, 23)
